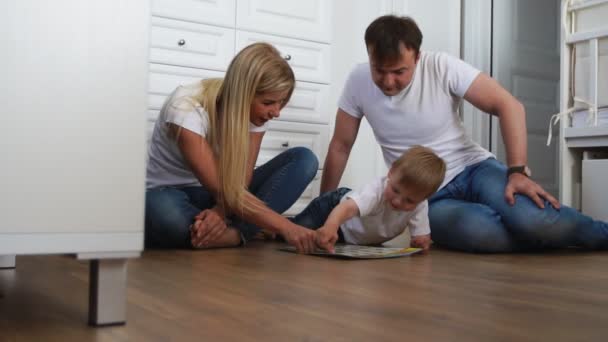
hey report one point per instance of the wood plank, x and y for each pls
(258, 293)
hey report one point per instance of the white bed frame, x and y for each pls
(582, 24)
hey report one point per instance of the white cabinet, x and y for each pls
(72, 137)
(584, 32)
(193, 40)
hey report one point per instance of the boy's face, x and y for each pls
(401, 197)
(393, 77)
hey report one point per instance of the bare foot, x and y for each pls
(230, 238)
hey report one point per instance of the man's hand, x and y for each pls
(326, 238)
(208, 225)
(301, 238)
(421, 241)
(520, 184)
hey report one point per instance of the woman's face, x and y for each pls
(267, 106)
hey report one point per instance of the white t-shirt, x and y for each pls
(424, 113)
(166, 165)
(378, 222)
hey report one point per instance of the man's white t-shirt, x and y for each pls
(424, 113)
(166, 165)
(378, 222)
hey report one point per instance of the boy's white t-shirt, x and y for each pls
(166, 165)
(378, 222)
(424, 113)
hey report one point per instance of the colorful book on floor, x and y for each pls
(361, 252)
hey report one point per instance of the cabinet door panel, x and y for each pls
(214, 12)
(308, 20)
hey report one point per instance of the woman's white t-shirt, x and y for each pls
(166, 165)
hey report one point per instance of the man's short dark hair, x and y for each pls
(385, 34)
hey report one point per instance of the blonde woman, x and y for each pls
(202, 188)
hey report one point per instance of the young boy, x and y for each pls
(383, 208)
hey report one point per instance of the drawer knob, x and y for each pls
(181, 42)
(285, 144)
(287, 57)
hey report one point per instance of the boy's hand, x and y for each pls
(326, 238)
(422, 241)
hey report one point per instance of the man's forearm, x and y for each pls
(514, 133)
(335, 163)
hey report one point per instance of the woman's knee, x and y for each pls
(307, 161)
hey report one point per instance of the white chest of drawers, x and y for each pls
(72, 137)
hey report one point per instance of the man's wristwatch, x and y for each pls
(523, 169)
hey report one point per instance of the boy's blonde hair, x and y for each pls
(257, 69)
(419, 168)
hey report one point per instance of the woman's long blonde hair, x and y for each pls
(257, 69)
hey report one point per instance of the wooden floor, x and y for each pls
(258, 293)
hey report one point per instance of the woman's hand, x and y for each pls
(208, 225)
(301, 238)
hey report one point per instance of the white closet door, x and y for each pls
(214, 12)
(526, 62)
(308, 20)
(309, 61)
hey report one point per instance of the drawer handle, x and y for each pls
(287, 57)
(181, 42)
(285, 144)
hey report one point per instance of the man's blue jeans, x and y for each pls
(279, 183)
(471, 214)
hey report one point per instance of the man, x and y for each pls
(412, 97)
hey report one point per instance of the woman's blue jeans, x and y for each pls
(471, 214)
(279, 183)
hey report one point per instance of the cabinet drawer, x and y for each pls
(218, 12)
(309, 61)
(163, 79)
(283, 135)
(298, 19)
(311, 192)
(309, 103)
(190, 45)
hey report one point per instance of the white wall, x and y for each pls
(439, 21)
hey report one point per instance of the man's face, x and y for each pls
(393, 77)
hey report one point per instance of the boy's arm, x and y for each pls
(328, 233)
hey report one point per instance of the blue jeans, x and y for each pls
(170, 211)
(317, 212)
(471, 214)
